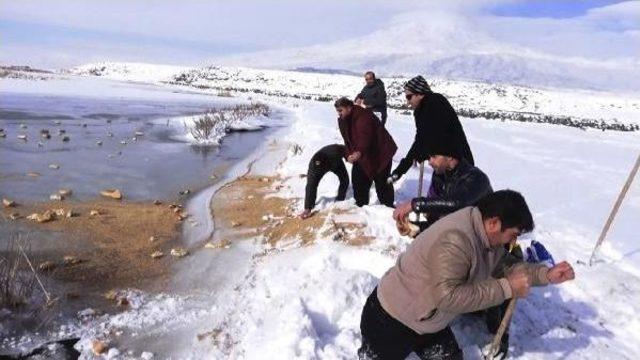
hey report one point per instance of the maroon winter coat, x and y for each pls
(363, 132)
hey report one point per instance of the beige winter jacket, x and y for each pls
(445, 272)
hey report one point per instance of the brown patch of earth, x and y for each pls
(249, 207)
(113, 248)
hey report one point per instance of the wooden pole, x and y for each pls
(506, 319)
(615, 209)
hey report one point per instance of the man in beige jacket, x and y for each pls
(445, 272)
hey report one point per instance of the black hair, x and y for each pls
(510, 207)
(343, 102)
(370, 73)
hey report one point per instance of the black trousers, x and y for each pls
(385, 338)
(362, 184)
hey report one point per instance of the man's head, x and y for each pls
(415, 90)
(370, 78)
(505, 216)
(344, 107)
(442, 163)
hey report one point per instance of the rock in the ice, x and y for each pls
(41, 218)
(70, 260)
(139, 133)
(65, 192)
(66, 139)
(111, 193)
(71, 214)
(23, 126)
(22, 137)
(179, 252)
(46, 136)
(56, 197)
(98, 347)
(157, 254)
(46, 266)
(157, 202)
(185, 192)
(99, 143)
(93, 213)
(62, 131)
(54, 166)
(60, 213)
(8, 203)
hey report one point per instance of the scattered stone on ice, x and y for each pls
(179, 252)
(69, 260)
(157, 254)
(56, 197)
(46, 266)
(66, 139)
(98, 347)
(65, 192)
(54, 166)
(111, 193)
(60, 212)
(157, 202)
(22, 137)
(93, 213)
(8, 203)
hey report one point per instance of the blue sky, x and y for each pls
(57, 33)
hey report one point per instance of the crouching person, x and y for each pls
(327, 159)
(445, 272)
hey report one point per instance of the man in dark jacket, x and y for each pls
(455, 183)
(370, 149)
(373, 96)
(327, 159)
(433, 116)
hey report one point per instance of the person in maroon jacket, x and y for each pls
(370, 148)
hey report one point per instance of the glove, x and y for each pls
(537, 253)
(393, 178)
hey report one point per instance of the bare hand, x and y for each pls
(402, 211)
(561, 273)
(306, 214)
(354, 157)
(519, 282)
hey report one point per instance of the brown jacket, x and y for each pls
(363, 132)
(445, 272)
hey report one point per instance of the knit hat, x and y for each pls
(418, 85)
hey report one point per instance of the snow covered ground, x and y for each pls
(305, 302)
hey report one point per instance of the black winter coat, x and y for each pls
(434, 117)
(461, 187)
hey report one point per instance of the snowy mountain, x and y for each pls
(449, 46)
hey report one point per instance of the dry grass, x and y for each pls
(16, 282)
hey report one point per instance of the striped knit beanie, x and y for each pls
(417, 85)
